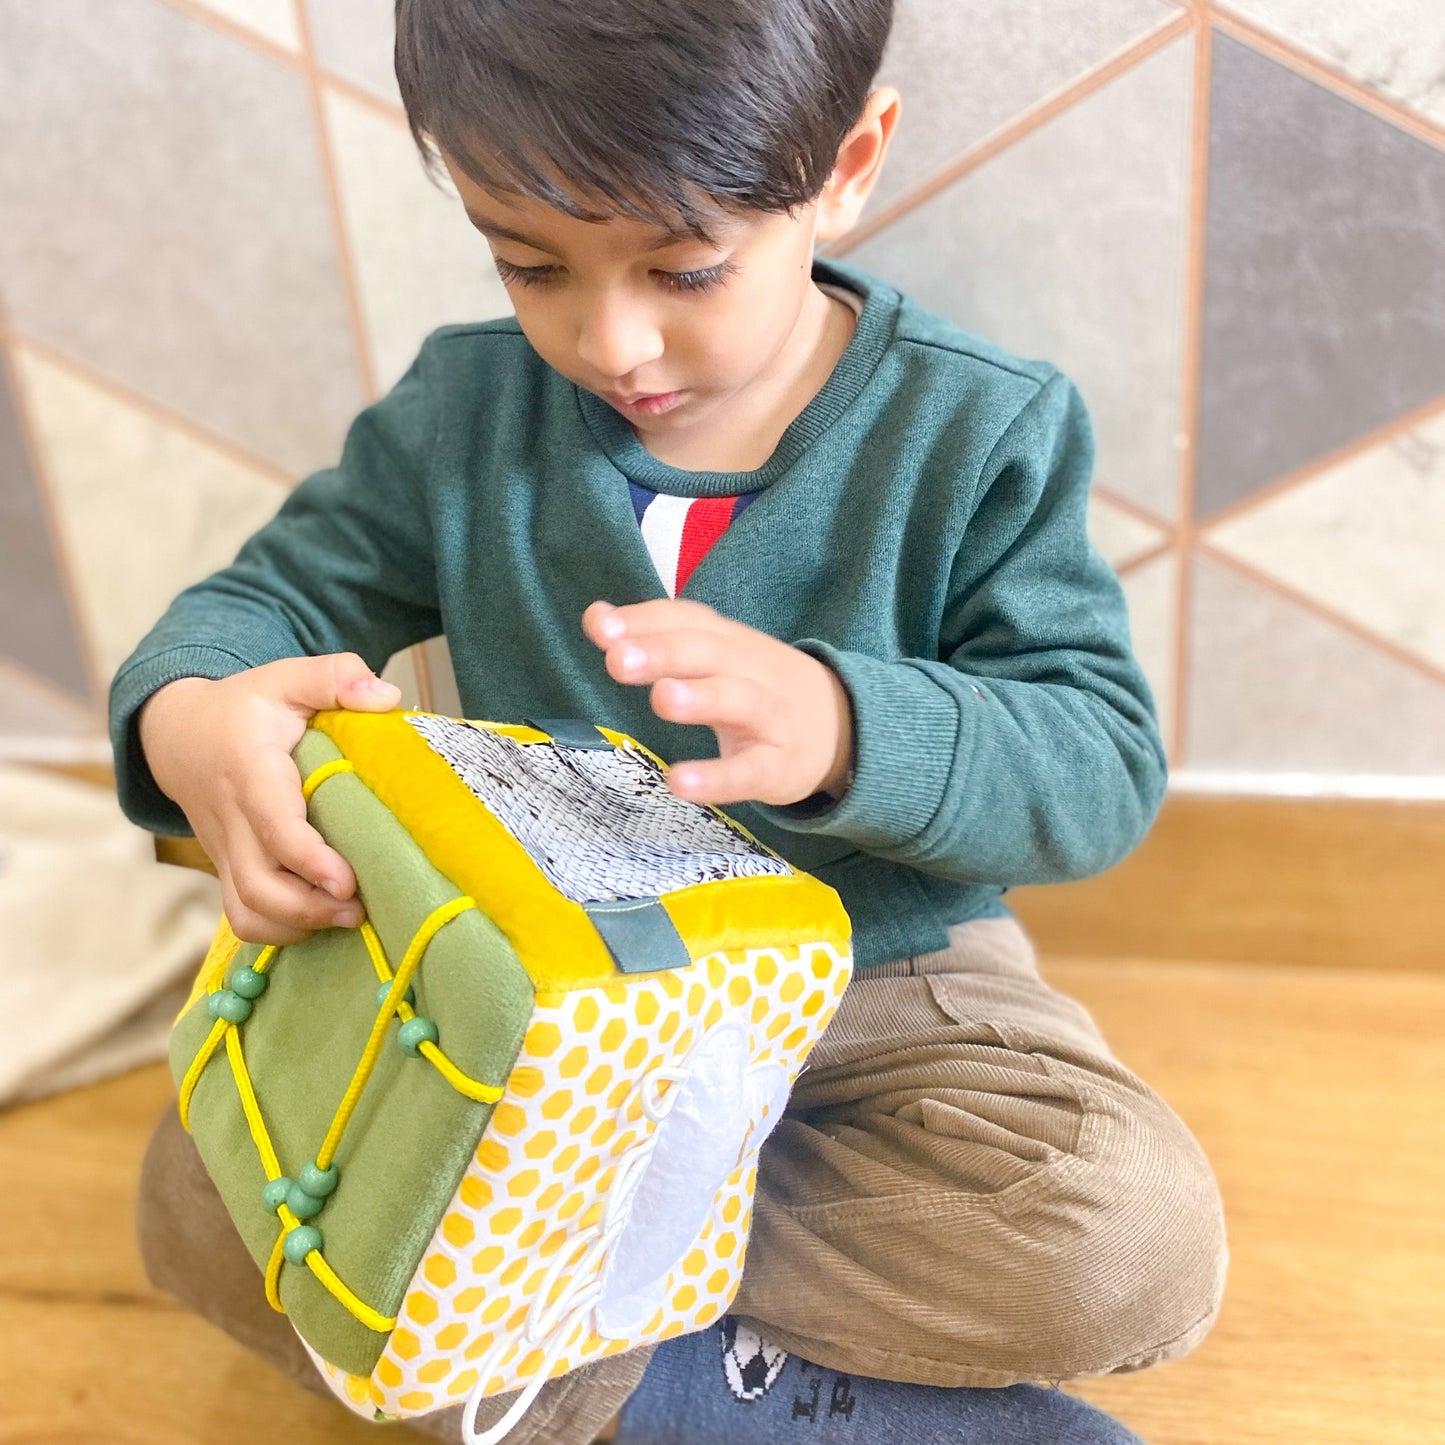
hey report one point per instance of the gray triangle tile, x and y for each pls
(167, 220)
(1395, 47)
(1324, 311)
(354, 39)
(36, 626)
(1274, 687)
(1365, 538)
(957, 91)
(1071, 245)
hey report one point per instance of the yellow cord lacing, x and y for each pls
(394, 1003)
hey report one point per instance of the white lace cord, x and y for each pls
(584, 1288)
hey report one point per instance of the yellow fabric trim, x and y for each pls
(554, 939)
(326, 770)
(766, 912)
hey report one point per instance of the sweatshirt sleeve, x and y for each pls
(346, 565)
(1027, 751)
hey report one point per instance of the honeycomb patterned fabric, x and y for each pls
(510, 1124)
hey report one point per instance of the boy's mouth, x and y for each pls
(643, 403)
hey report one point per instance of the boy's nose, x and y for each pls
(614, 340)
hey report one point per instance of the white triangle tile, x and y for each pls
(145, 509)
(957, 91)
(1119, 535)
(273, 19)
(1275, 688)
(1395, 47)
(1071, 245)
(419, 262)
(1366, 539)
(1152, 592)
(354, 39)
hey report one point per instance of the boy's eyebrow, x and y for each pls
(492, 228)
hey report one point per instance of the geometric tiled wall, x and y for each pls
(1226, 222)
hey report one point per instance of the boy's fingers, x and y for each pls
(715, 702)
(340, 679)
(278, 897)
(677, 653)
(745, 776)
(277, 812)
(604, 623)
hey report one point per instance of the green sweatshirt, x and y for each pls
(921, 531)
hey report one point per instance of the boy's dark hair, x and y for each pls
(644, 108)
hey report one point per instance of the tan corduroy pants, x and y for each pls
(967, 1189)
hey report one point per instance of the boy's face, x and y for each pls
(666, 328)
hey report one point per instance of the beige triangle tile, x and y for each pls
(1152, 592)
(273, 19)
(1365, 538)
(1274, 687)
(1120, 535)
(1395, 47)
(1071, 245)
(145, 509)
(419, 262)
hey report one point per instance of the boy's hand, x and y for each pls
(222, 751)
(782, 718)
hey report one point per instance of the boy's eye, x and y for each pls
(702, 280)
(526, 275)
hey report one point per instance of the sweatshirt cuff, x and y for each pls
(905, 739)
(141, 799)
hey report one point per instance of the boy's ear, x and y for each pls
(859, 163)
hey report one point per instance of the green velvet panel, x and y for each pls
(412, 1135)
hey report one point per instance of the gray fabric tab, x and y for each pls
(639, 934)
(570, 732)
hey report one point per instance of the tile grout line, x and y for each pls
(274, 50)
(1191, 386)
(1013, 132)
(345, 260)
(421, 665)
(1378, 641)
(1106, 493)
(48, 496)
(1328, 75)
(1131, 565)
(148, 407)
(1312, 470)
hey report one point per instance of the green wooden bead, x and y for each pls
(303, 1204)
(413, 1032)
(300, 1242)
(385, 989)
(274, 1194)
(248, 983)
(229, 1006)
(319, 1182)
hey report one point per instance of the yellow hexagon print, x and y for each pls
(539, 1182)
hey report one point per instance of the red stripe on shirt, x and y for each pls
(707, 520)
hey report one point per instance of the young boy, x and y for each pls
(827, 552)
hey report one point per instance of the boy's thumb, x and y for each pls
(340, 680)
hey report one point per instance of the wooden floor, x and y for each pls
(1319, 1093)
